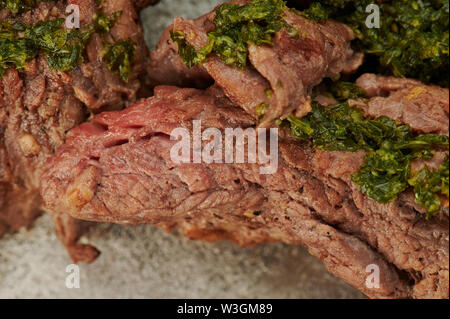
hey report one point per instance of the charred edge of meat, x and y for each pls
(99, 175)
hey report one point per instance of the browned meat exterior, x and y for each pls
(141, 4)
(93, 84)
(38, 106)
(290, 68)
(166, 67)
(119, 169)
(423, 107)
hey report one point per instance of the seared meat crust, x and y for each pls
(118, 169)
(39, 106)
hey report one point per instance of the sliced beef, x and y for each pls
(166, 67)
(118, 169)
(39, 106)
(141, 4)
(290, 68)
(423, 107)
(96, 86)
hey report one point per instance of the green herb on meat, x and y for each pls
(188, 54)
(317, 12)
(413, 40)
(391, 148)
(261, 110)
(20, 6)
(119, 57)
(63, 48)
(103, 23)
(15, 53)
(430, 185)
(343, 91)
(237, 27)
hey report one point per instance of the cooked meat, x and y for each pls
(290, 68)
(98, 87)
(141, 4)
(38, 106)
(118, 169)
(423, 107)
(166, 67)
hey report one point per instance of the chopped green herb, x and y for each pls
(268, 93)
(120, 57)
(429, 185)
(103, 23)
(261, 110)
(391, 147)
(190, 56)
(344, 91)
(413, 40)
(317, 12)
(63, 48)
(385, 173)
(237, 27)
(19, 6)
(15, 53)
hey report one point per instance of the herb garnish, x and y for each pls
(428, 185)
(343, 91)
(120, 57)
(391, 148)
(413, 40)
(63, 48)
(19, 6)
(236, 27)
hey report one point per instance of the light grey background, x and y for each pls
(145, 262)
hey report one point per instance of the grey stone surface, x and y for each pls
(145, 262)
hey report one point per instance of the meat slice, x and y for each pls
(119, 169)
(166, 67)
(423, 107)
(141, 4)
(290, 68)
(38, 106)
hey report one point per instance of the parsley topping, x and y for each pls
(429, 185)
(63, 48)
(19, 6)
(413, 38)
(119, 57)
(236, 27)
(391, 149)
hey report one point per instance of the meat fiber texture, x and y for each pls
(119, 169)
(290, 68)
(144, 262)
(38, 106)
(327, 53)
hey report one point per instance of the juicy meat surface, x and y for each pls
(166, 67)
(118, 168)
(141, 4)
(38, 106)
(290, 68)
(423, 107)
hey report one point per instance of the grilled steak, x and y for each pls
(290, 68)
(38, 106)
(119, 169)
(424, 108)
(141, 4)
